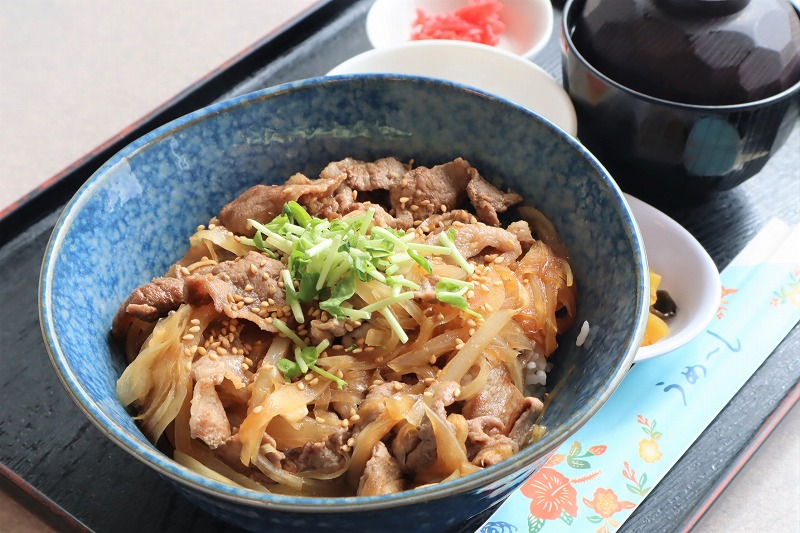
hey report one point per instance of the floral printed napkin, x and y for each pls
(595, 480)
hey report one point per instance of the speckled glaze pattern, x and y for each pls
(132, 219)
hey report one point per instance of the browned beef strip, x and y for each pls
(207, 420)
(522, 231)
(442, 220)
(326, 207)
(265, 202)
(424, 455)
(374, 403)
(357, 176)
(445, 394)
(523, 428)
(486, 443)
(326, 330)
(323, 456)
(382, 474)
(427, 289)
(269, 449)
(488, 199)
(499, 398)
(381, 217)
(384, 174)
(149, 302)
(428, 189)
(406, 438)
(236, 287)
(219, 368)
(473, 240)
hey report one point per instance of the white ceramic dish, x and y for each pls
(490, 69)
(687, 272)
(529, 23)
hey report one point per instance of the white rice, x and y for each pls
(535, 370)
(583, 334)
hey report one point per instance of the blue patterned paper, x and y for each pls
(596, 479)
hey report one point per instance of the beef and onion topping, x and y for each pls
(367, 332)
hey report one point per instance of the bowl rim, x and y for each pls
(566, 37)
(187, 479)
(531, 69)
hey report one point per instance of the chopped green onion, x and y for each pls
(340, 383)
(451, 291)
(386, 302)
(307, 291)
(451, 284)
(319, 248)
(429, 248)
(376, 274)
(293, 229)
(365, 220)
(297, 213)
(340, 271)
(325, 260)
(421, 261)
(322, 346)
(343, 290)
(289, 369)
(281, 243)
(456, 300)
(450, 243)
(305, 359)
(388, 235)
(300, 360)
(283, 328)
(326, 267)
(258, 242)
(355, 314)
(394, 324)
(402, 282)
(400, 259)
(291, 296)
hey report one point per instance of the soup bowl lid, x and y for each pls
(701, 52)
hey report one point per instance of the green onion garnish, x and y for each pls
(326, 259)
(447, 239)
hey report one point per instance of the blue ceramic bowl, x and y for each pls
(132, 219)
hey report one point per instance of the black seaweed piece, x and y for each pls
(665, 306)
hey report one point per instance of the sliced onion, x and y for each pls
(437, 346)
(474, 347)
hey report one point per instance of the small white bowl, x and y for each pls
(486, 68)
(687, 272)
(529, 23)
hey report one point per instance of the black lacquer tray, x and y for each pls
(69, 473)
